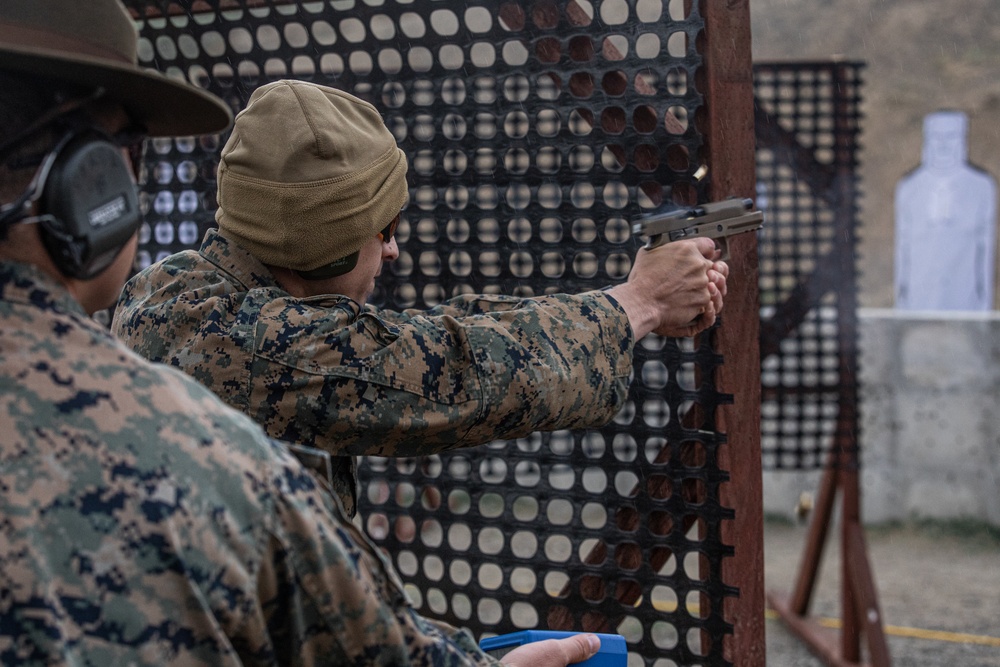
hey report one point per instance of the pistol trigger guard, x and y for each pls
(722, 244)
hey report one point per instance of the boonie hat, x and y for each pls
(92, 43)
(308, 175)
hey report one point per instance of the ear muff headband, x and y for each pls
(88, 205)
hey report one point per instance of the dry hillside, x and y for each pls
(922, 56)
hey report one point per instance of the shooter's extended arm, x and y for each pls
(715, 220)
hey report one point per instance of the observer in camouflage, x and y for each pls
(142, 521)
(145, 522)
(326, 371)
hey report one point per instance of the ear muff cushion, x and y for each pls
(89, 206)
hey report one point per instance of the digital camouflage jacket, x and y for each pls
(143, 522)
(355, 380)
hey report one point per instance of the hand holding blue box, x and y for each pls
(613, 652)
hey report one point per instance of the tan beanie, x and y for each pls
(309, 175)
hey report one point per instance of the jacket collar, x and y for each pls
(27, 284)
(235, 261)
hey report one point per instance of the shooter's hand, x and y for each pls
(675, 290)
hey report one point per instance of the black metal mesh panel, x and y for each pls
(535, 132)
(807, 126)
(178, 199)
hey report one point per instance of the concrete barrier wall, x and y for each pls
(930, 420)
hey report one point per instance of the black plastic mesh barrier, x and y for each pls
(535, 131)
(807, 126)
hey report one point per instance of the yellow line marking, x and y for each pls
(913, 633)
(894, 630)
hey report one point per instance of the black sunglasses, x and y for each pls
(389, 231)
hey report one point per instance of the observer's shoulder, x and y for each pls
(170, 270)
(162, 394)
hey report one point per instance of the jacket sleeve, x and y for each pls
(555, 362)
(463, 374)
(330, 597)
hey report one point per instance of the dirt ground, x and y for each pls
(939, 591)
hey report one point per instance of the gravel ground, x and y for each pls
(931, 578)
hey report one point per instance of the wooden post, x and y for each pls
(728, 128)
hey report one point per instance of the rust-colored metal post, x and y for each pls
(728, 128)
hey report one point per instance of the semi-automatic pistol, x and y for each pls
(715, 220)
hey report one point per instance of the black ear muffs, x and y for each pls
(89, 207)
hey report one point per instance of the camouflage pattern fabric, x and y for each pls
(146, 523)
(327, 372)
